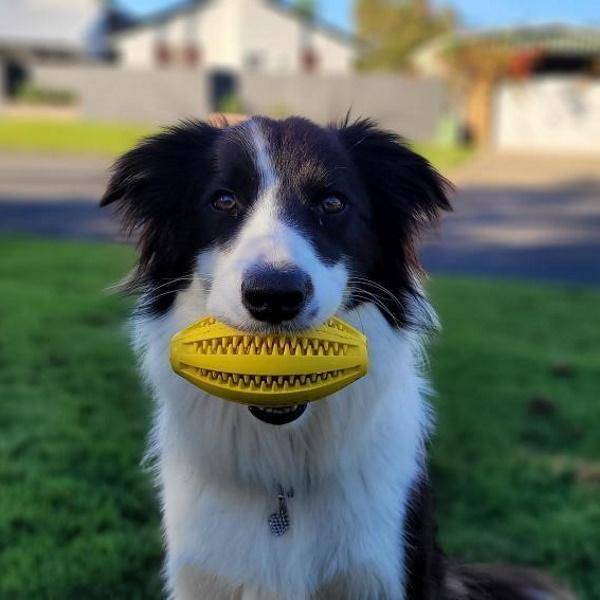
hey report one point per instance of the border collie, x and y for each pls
(272, 225)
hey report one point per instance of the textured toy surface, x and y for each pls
(269, 370)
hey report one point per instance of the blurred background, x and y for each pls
(504, 98)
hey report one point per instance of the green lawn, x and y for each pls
(66, 137)
(516, 460)
(111, 139)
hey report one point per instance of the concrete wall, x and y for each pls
(548, 114)
(407, 105)
(412, 107)
(132, 95)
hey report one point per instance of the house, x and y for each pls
(525, 88)
(550, 100)
(236, 35)
(53, 32)
(57, 30)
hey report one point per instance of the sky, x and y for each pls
(474, 13)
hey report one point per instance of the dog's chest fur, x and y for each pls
(351, 467)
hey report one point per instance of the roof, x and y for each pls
(66, 25)
(555, 38)
(325, 26)
(189, 6)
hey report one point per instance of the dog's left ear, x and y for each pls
(406, 195)
(402, 185)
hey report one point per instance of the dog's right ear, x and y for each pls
(149, 179)
(154, 187)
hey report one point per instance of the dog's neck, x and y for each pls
(352, 462)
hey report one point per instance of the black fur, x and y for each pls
(164, 186)
(407, 195)
(154, 186)
(425, 563)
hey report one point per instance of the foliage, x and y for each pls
(393, 29)
(477, 58)
(307, 9)
(32, 94)
(231, 104)
(516, 460)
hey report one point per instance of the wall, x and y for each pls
(136, 50)
(212, 27)
(334, 55)
(407, 105)
(130, 95)
(548, 114)
(279, 38)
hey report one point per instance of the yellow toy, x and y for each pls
(269, 370)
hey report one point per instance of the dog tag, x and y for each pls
(279, 522)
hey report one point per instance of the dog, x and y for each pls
(277, 225)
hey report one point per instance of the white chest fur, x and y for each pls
(350, 459)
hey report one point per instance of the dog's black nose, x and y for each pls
(274, 294)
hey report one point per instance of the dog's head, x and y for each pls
(285, 223)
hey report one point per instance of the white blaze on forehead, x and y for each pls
(264, 165)
(265, 238)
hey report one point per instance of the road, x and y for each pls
(515, 216)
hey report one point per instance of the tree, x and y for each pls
(307, 9)
(475, 65)
(393, 29)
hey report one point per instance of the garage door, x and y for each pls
(548, 114)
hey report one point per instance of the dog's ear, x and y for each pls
(405, 190)
(153, 188)
(406, 194)
(399, 181)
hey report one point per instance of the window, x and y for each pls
(254, 61)
(162, 53)
(309, 60)
(192, 56)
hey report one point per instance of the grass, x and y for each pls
(445, 157)
(69, 137)
(516, 459)
(112, 139)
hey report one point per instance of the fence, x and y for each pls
(408, 105)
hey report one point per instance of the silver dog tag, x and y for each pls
(279, 522)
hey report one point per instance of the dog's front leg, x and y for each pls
(195, 584)
(360, 584)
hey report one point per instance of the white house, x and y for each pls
(57, 30)
(251, 35)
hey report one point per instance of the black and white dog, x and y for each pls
(282, 224)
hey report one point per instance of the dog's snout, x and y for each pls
(274, 294)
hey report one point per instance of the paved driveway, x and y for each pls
(515, 216)
(525, 217)
(551, 234)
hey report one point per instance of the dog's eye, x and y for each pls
(225, 202)
(332, 205)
